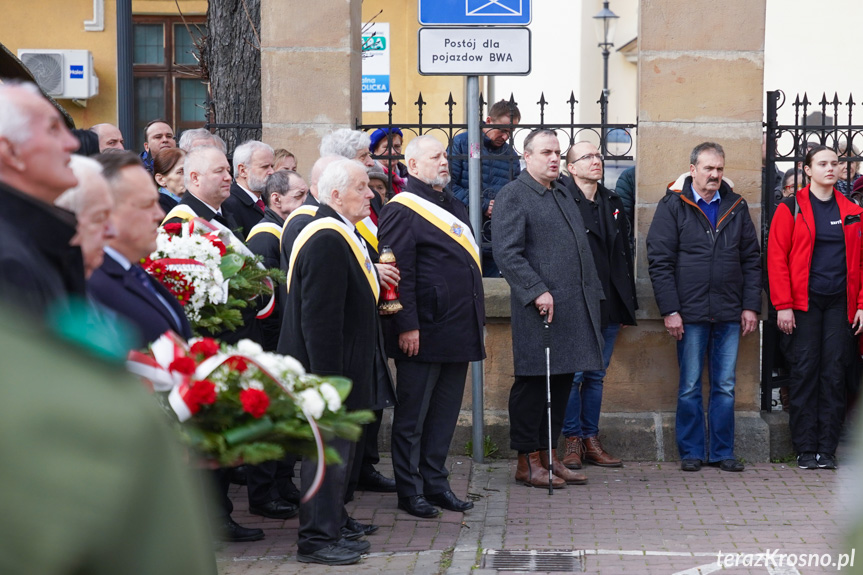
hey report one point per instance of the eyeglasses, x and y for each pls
(590, 157)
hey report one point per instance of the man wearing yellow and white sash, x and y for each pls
(438, 332)
(331, 326)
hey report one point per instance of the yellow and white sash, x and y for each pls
(450, 225)
(265, 227)
(369, 231)
(302, 210)
(359, 252)
(181, 211)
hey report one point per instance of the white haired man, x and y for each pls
(91, 202)
(38, 267)
(348, 343)
(253, 164)
(201, 137)
(350, 144)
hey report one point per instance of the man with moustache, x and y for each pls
(253, 164)
(608, 234)
(158, 136)
(543, 252)
(440, 329)
(331, 326)
(38, 266)
(705, 266)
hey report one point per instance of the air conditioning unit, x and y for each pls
(62, 73)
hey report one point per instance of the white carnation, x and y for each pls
(311, 402)
(249, 348)
(329, 393)
(291, 366)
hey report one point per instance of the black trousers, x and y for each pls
(819, 352)
(322, 518)
(424, 420)
(271, 480)
(528, 416)
(371, 455)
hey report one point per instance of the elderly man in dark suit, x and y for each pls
(120, 283)
(331, 326)
(438, 332)
(38, 267)
(543, 252)
(253, 164)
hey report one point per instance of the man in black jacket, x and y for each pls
(253, 164)
(608, 234)
(439, 330)
(705, 266)
(38, 267)
(331, 326)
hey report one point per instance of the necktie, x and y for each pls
(144, 279)
(260, 204)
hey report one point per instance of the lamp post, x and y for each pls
(604, 23)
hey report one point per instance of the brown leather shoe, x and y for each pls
(596, 455)
(530, 472)
(573, 453)
(559, 470)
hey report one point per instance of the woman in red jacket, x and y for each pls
(814, 262)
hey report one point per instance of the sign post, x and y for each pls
(482, 38)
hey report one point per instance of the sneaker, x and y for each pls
(826, 461)
(807, 461)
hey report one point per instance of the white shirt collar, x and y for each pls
(255, 197)
(118, 257)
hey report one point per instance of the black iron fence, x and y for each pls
(615, 141)
(828, 122)
(233, 132)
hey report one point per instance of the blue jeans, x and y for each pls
(719, 342)
(585, 398)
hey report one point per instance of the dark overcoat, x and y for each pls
(330, 322)
(540, 245)
(440, 286)
(240, 206)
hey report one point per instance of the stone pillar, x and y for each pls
(311, 66)
(700, 78)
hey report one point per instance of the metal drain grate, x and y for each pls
(536, 561)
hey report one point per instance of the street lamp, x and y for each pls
(604, 23)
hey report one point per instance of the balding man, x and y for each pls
(207, 176)
(608, 234)
(158, 136)
(438, 332)
(253, 164)
(110, 137)
(38, 267)
(331, 326)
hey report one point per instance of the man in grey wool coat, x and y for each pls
(542, 250)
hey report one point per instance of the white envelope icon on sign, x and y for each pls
(493, 7)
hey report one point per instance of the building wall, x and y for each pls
(18, 30)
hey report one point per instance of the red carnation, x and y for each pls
(237, 363)
(184, 365)
(200, 393)
(255, 402)
(216, 241)
(206, 347)
(173, 229)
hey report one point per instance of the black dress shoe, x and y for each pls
(333, 554)
(417, 506)
(238, 474)
(290, 493)
(232, 531)
(374, 481)
(364, 528)
(275, 509)
(357, 546)
(448, 500)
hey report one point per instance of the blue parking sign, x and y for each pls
(474, 12)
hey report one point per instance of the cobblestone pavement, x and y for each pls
(643, 518)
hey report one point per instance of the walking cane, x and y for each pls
(546, 339)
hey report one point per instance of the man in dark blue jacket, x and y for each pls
(500, 166)
(705, 266)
